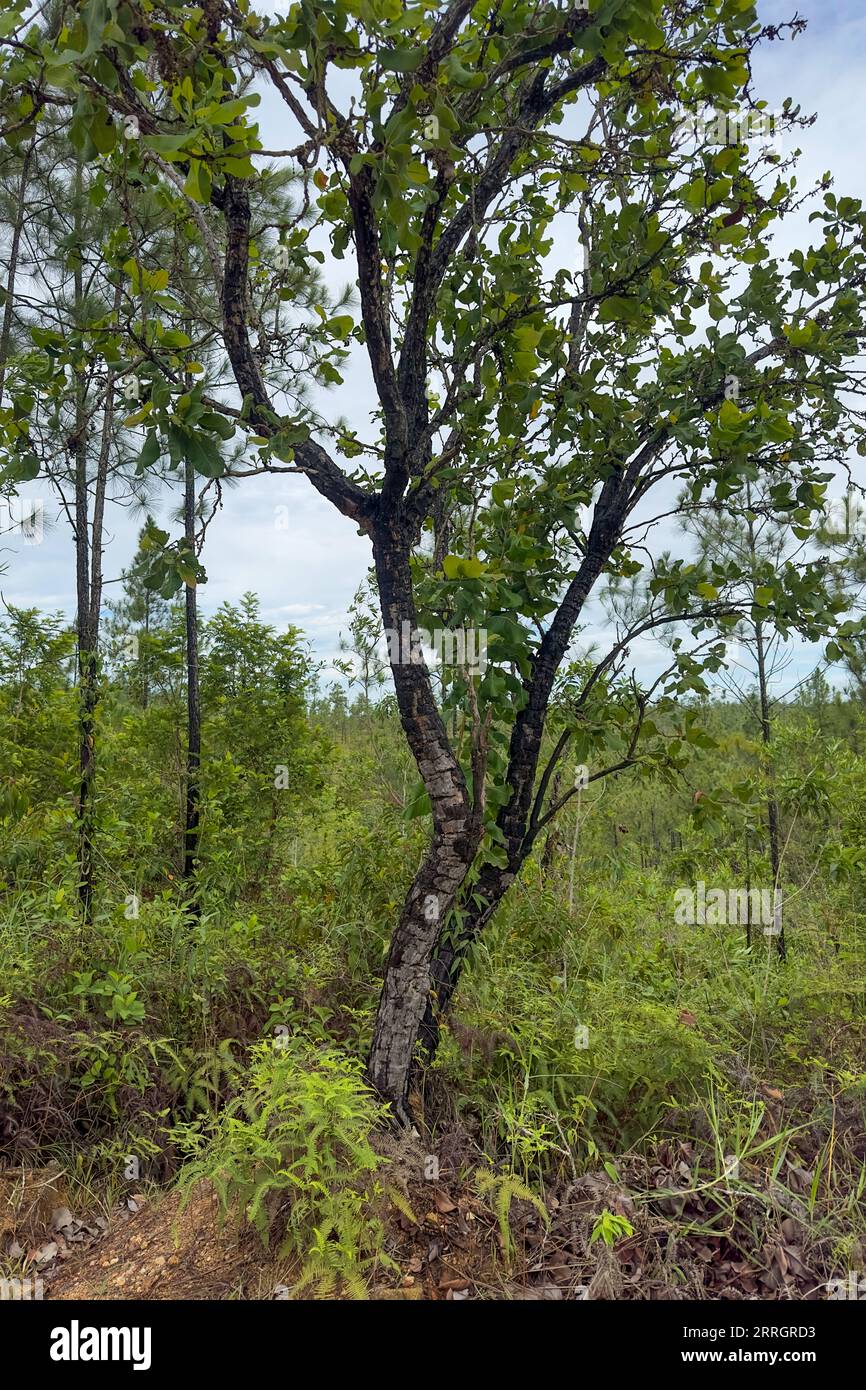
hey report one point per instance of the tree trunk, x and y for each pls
(143, 665)
(87, 656)
(88, 584)
(772, 803)
(518, 818)
(193, 706)
(767, 736)
(456, 835)
(9, 307)
(88, 571)
(551, 839)
(453, 950)
(748, 892)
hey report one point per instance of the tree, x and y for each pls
(71, 437)
(760, 548)
(363, 663)
(254, 683)
(13, 214)
(93, 264)
(474, 133)
(137, 623)
(37, 709)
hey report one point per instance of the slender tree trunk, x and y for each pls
(88, 569)
(14, 250)
(748, 892)
(145, 688)
(88, 583)
(193, 706)
(87, 654)
(767, 737)
(772, 803)
(550, 841)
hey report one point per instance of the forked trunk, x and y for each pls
(518, 820)
(456, 835)
(452, 952)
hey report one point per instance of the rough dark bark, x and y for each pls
(522, 818)
(453, 949)
(350, 499)
(456, 835)
(518, 819)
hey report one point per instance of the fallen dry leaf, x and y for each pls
(444, 1203)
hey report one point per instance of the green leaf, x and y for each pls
(402, 59)
(102, 132)
(174, 338)
(473, 569)
(149, 453)
(730, 415)
(618, 309)
(341, 325)
(503, 491)
(198, 182)
(204, 455)
(458, 567)
(24, 468)
(168, 144)
(217, 424)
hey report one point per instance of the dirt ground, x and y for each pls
(444, 1239)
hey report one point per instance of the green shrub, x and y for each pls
(293, 1151)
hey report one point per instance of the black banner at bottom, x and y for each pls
(62, 1339)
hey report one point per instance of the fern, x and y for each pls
(402, 1203)
(500, 1190)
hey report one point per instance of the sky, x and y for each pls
(277, 537)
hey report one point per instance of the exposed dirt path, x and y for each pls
(444, 1240)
